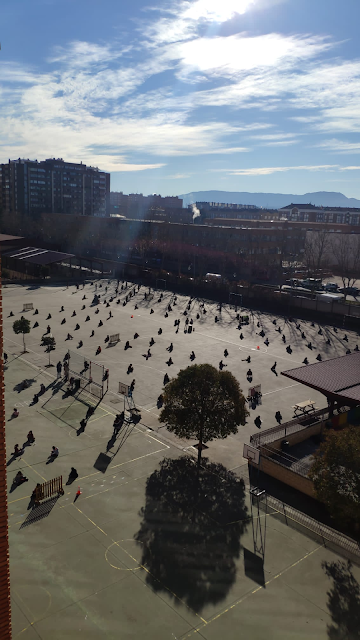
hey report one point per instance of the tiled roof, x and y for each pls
(336, 377)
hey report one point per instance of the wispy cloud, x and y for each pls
(178, 176)
(340, 146)
(95, 101)
(266, 171)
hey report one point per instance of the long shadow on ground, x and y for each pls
(343, 601)
(191, 530)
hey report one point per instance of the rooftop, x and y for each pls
(338, 378)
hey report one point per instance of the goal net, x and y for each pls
(92, 376)
(235, 299)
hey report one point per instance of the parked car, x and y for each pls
(331, 286)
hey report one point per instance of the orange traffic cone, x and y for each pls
(258, 347)
(78, 493)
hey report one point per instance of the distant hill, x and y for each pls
(271, 200)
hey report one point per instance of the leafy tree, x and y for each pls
(203, 403)
(336, 474)
(22, 326)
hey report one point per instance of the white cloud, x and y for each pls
(236, 55)
(93, 104)
(180, 21)
(178, 176)
(340, 146)
(266, 171)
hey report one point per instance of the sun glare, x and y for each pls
(218, 10)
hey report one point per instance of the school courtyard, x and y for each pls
(147, 551)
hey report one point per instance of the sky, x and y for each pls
(186, 95)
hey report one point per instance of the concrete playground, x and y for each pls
(145, 551)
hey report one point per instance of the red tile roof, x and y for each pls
(338, 377)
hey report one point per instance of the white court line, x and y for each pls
(237, 344)
(282, 389)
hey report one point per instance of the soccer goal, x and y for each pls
(236, 300)
(28, 306)
(160, 284)
(89, 376)
(114, 338)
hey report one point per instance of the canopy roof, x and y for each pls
(37, 255)
(338, 378)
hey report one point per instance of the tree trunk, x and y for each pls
(24, 341)
(200, 447)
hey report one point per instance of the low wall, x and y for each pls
(278, 471)
(294, 438)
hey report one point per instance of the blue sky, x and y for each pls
(173, 97)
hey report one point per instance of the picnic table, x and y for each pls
(304, 407)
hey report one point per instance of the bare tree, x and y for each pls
(346, 251)
(316, 251)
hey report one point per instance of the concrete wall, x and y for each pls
(276, 470)
(295, 438)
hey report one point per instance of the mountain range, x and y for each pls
(271, 200)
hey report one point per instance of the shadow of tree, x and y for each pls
(191, 529)
(343, 601)
(24, 384)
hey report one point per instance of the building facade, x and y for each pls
(31, 188)
(138, 206)
(328, 215)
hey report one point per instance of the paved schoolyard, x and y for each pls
(140, 553)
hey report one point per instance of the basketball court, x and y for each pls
(132, 554)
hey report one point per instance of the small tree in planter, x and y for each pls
(50, 344)
(22, 326)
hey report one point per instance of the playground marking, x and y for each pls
(250, 593)
(32, 469)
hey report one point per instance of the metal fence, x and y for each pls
(300, 467)
(327, 535)
(287, 428)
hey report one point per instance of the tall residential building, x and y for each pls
(30, 187)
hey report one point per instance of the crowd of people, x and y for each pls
(185, 315)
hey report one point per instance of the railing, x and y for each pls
(326, 533)
(286, 460)
(287, 428)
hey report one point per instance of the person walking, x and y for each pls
(58, 369)
(278, 417)
(257, 422)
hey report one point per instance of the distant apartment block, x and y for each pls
(138, 206)
(311, 213)
(225, 210)
(31, 188)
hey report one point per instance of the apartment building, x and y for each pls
(311, 213)
(137, 206)
(31, 188)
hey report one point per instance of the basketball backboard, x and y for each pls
(251, 453)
